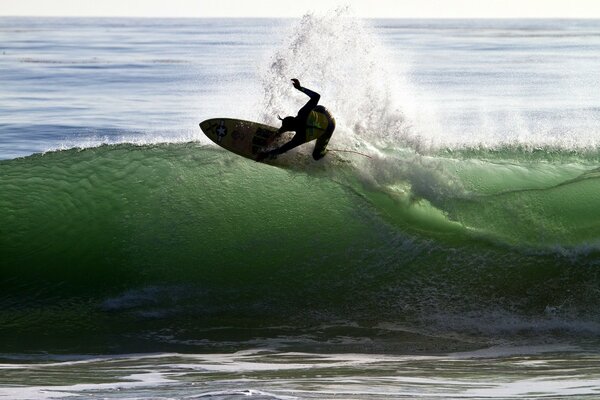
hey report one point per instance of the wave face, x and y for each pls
(185, 245)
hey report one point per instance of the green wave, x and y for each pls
(101, 213)
(130, 241)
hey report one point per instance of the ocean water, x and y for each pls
(447, 247)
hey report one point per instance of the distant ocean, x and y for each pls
(461, 259)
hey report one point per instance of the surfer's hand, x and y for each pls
(296, 83)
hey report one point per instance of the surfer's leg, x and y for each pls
(321, 144)
(296, 141)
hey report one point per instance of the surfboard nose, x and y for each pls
(204, 125)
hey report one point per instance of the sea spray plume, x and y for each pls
(339, 57)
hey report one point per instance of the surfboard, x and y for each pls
(245, 138)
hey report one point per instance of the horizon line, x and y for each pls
(292, 17)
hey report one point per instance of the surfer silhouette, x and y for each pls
(313, 122)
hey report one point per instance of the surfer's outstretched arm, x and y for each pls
(314, 98)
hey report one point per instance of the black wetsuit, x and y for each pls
(313, 122)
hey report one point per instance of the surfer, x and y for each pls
(313, 122)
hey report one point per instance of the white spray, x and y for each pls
(338, 56)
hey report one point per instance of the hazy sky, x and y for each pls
(290, 8)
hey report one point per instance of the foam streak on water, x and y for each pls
(508, 373)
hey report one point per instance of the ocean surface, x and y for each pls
(447, 247)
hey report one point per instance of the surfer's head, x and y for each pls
(287, 124)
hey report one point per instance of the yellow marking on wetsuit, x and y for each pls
(316, 125)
